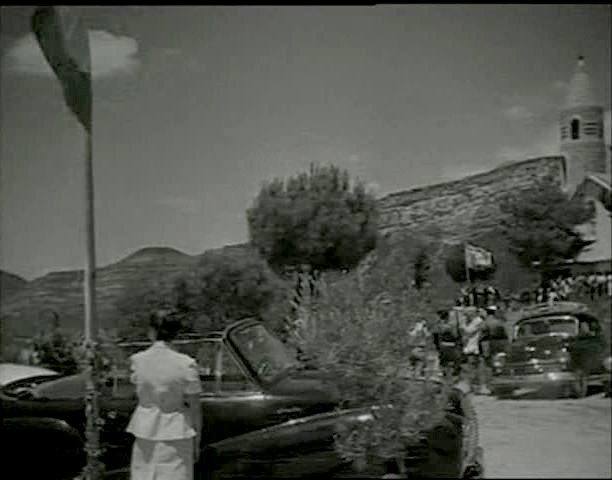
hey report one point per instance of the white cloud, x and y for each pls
(183, 204)
(518, 112)
(110, 55)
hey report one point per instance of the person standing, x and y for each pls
(166, 424)
(472, 330)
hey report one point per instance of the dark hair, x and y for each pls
(165, 324)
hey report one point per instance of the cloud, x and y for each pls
(181, 203)
(518, 112)
(110, 55)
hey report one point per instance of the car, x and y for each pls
(15, 372)
(265, 414)
(560, 349)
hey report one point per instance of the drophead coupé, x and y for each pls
(265, 415)
(558, 349)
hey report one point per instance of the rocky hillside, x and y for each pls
(22, 312)
(10, 284)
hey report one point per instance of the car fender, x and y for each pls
(305, 446)
(57, 445)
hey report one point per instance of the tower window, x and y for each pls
(575, 126)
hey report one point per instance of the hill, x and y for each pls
(63, 291)
(9, 284)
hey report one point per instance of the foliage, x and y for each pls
(217, 291)
(359, 332)
(55, 350)
(319, 218)
(421, 264)
(540, 223)
(454, 265)
(225, 289)
(137, 302)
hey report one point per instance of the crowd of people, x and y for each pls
(591, 286)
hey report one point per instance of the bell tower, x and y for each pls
(582, 130)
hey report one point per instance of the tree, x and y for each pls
(319, 218)
(223, 288)
(139, 300)
(540, 223)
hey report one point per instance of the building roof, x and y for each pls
(579, 90)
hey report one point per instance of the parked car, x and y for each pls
(558, 349)
(15, 372)
(265, 415)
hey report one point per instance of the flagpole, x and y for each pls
(467, 268)
(94, 467)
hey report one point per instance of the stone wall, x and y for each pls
(460, 208)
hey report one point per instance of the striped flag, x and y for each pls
(477, 257)
(64, 42)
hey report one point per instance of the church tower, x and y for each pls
(582, 130)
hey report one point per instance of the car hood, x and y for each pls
(13, 372)
(542, 347)
(72, 386)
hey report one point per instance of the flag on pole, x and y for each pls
(477, 257)
(64, 42)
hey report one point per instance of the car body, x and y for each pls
(15, 372)
(264, 415)
(559, 349)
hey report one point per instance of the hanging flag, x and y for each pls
(64, 42)
(477, 257)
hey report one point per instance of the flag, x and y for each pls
(477, 257)
(64, 42)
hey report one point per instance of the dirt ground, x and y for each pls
(546, 438)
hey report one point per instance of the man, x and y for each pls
(448, 342)
(472, 329)
(494, 337)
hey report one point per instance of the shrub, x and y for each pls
(359, 333)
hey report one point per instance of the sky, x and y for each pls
(196, 107)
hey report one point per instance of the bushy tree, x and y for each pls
(225, 288)
(540, 223)
(360, 332)
(319, 218)
(218, 290)
(139, 300)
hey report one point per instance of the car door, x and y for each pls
(589, 347)
(232, 402)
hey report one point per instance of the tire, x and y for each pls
(580, 386)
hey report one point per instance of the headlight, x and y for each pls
(608, 364)
(564, 359)
(499, 360)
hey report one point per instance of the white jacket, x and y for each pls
(163, 377)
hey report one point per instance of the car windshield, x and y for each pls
(564, 326)
(265, 354)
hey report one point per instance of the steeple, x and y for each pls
(579, 91)
(581, 129)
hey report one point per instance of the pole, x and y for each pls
(467, 268)
(94, 468)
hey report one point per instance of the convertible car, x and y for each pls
(559, 349)
(265, 415)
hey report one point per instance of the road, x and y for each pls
(546, 438)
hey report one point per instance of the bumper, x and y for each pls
(524, 384)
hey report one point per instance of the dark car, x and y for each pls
(264, 414)
(559, 349)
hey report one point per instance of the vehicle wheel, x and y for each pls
(580, 387)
